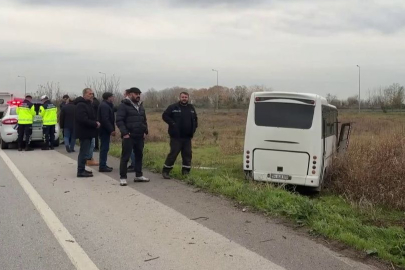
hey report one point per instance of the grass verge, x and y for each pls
(372, 230)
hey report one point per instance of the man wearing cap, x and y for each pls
(26, 113)
(49, 113)
(105, 116)
(131, 120)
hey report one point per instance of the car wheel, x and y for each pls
(56, 143)
(3, 144)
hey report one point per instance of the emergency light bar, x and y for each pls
(14, 102)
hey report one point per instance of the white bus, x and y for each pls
(291, 138)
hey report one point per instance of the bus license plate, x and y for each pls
(280, 176)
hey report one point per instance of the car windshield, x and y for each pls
(284, 115)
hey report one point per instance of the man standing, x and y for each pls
(65, 101)
(26, 113)
(131, 120)
(106, 118)
(86, 126)
(67, 123)
(49, 114)
(183, 122)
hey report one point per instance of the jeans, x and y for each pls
(178, 145)
(130, 145)
(91, 150)
(69, 138)
(49, 133)
(85, 145)
(104, 148)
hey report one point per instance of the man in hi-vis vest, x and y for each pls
(26, 113)
(49, 113)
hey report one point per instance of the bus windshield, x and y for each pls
(284, 115)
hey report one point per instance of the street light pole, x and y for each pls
(359, 88)
(25, 84)
(105, 81)
(217, 87)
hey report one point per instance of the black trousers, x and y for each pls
(178, 145)
(137, 145)
(49, 134)
(24, 129)
(96, 141)
(83, 154)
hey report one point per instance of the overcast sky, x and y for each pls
(289, 45)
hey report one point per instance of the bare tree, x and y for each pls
(102, 85)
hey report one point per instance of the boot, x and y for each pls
(28, 148)
(166, 173)
(19, 147)
(68, 149)
(92, 162)
(45, 146)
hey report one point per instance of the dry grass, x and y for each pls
(373, 169)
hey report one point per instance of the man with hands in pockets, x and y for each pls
(131, 121)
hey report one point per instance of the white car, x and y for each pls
(9, 125)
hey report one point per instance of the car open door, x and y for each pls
(343, 141)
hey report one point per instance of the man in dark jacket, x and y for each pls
(106, 118)
(183, 122)
(86, 127)
(131, 120)
(67, 123)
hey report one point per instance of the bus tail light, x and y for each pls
(313, 172)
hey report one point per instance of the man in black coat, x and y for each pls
(183, 122)
(106, 118)
(131, 120)
(67, 123)
(86, 127)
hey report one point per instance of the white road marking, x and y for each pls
(73, 250)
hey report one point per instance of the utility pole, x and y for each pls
(105, 81)
(217, 88)
(25, 84)
(359, 88)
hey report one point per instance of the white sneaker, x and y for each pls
(123, 182)
(141, 179)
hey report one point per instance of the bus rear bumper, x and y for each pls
(311, 181)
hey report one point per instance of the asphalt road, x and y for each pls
(49, 219)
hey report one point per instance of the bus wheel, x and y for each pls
(248, 176)
(321, 184)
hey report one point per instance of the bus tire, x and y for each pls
(322, 182)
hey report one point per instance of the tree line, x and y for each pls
(220, 97)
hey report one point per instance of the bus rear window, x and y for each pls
(284, 115)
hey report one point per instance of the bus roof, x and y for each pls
(293, 95)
